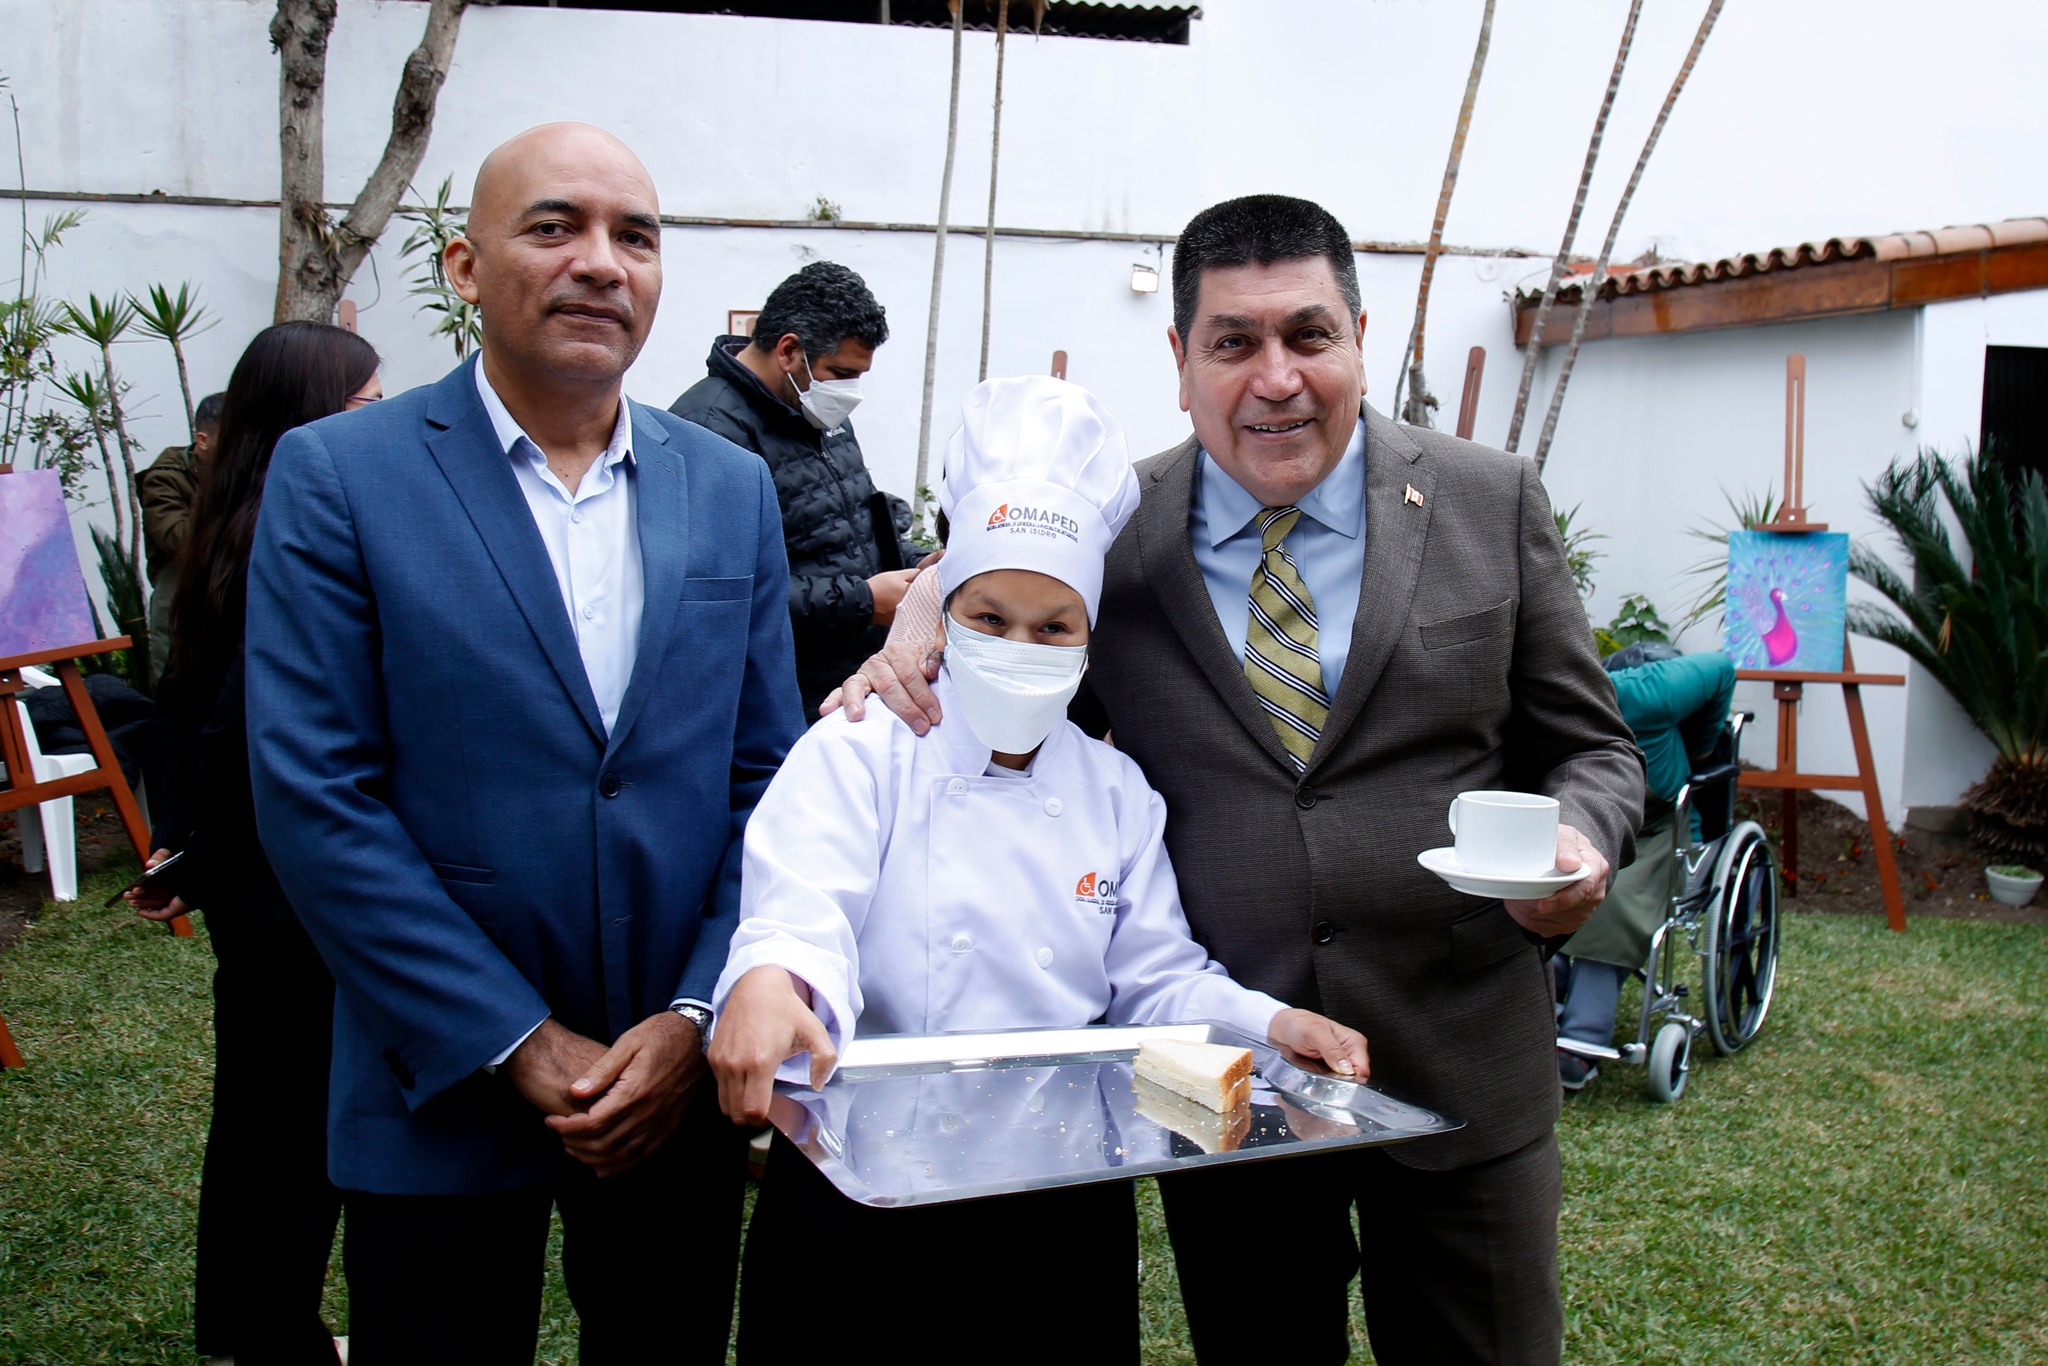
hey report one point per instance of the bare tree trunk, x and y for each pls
(127, 448)
(995, 147)
(1420, 400)
(185, 389)
(1591, 289)
(114, 500)
(931, 329)
(1571, 230)
(317, 256)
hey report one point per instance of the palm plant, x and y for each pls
(175, 318)
(1578, 548)
(1979, 626)
(104, 324)
(84, 391)
(1750, 511)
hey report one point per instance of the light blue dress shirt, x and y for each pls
(593, 543)
(1327, 543)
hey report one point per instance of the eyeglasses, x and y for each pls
(354, 401)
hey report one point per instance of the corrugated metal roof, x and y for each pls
(1896, 246)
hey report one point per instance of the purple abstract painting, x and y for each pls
(42, 591)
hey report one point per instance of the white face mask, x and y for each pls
(1011, 693)
(828, 402)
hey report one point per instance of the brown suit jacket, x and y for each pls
(1471, 666)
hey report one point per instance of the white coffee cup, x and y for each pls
(1509, 834)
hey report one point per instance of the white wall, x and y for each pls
(1790, 127)
(1348, 103)
(1049, 294)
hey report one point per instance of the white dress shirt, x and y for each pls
(593, 543)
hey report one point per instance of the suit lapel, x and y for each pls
(465, 446)
(661, 508)
(1166, 549)
(1396, 527)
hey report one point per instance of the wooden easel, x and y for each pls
(1788, 689)
(25, 791)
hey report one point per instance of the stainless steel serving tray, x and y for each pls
(920, 1119)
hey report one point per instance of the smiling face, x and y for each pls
(1271, 374)
(562, 256)
(1021, 605)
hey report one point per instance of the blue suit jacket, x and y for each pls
(468, 848)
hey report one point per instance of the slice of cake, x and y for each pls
(1211, 1074)
(1206, 1129)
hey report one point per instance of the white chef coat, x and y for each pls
(918, 891)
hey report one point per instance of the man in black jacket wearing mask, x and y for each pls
(786, 395)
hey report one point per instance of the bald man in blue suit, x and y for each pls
(519, 666)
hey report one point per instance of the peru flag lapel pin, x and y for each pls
(1413, 495)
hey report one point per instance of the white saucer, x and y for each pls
(1444, 863)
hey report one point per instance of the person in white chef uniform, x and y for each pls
(1003, 871)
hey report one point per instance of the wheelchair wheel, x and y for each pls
(1741, 948)
(1670, 1062)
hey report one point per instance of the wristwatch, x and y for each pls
(696, 1015)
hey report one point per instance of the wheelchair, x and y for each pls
(1725, 907)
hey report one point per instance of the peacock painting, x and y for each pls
(1787, 599)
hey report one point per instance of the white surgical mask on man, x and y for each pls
(828, 402)
(1011, 693)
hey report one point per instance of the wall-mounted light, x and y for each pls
(1144, 279)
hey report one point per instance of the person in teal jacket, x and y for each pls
(1677, 705)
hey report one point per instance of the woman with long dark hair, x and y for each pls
(267, 1212)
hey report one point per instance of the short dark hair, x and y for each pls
(207, 414)
(823, 304)
(1258, 229)
(1641, 653)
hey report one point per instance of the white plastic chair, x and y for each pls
(54, 838)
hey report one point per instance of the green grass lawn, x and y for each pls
(1867, 1184)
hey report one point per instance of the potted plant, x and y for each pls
(1978, 624)
(2014, 884)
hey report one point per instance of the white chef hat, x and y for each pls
(1038, 477)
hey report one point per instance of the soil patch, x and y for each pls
(1837, 868)
(100, 839)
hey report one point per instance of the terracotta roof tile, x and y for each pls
(1890, 247)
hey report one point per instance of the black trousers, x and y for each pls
(1044, 1276)
(650, 1258)
(266, 1209)
(1457, 1266)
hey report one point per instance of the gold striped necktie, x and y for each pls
(1280, 657)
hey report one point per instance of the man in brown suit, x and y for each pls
(1448, 652)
